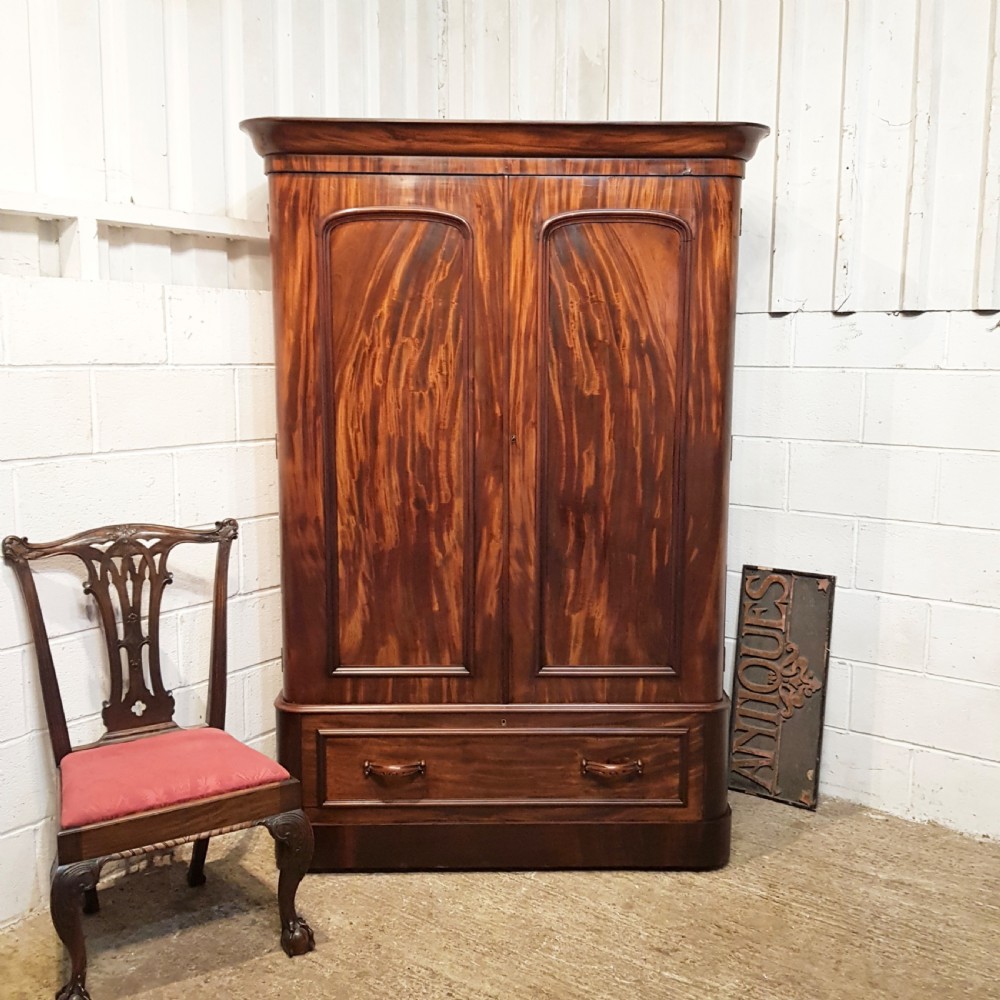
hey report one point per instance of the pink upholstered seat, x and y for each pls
(182, 765)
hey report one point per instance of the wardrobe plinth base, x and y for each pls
(511, 846)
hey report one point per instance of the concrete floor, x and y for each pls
(843, 903)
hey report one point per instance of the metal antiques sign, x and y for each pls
(779, 687)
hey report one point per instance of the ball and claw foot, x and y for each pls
(73, 990)
(297, 938)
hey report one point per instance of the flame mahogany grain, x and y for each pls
(503, 363)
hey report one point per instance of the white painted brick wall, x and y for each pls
(216, 326)
(973, 342)
(954, 564)
(786, 538)
(20, 877)
(162, 407)
(933, 409)
(231, 477)
(256, 418)
(787, 403)
(893, 445)
(862, 479)
(759, 469)
(126, 401)
(929, 711)
(16, 672)
(105, 489)
(964, 643)
(905, 521)
(946, 788)
(59, 321)
(258, 554)
(879, 628)
(968, 496)
(837, 709)
(45, 413)
(870, 771)
(869, 340)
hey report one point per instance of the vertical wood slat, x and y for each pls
(451, 18)
(20, 246)
(64, 42)
(282, 20)
(395, 83)
(178, 105)
(635, 60)
(195, 40)
(81, 122)
(750, 33)
(988, 274)
(19, 236)
(409, 36)
(345, 68)
(17, 165)
(486, 66)
(808, 150)
(207, 120)
(425, 51)
(690, 79)
(135, 135)
(308, 56)
(251, 70)
(948, 154)
(532, 59)
(582, 59)
(875, 144)
(133, 102)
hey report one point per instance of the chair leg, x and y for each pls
(293, 849)
(196, 870)
(91, 904)
(69, 885)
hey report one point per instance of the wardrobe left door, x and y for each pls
(390, 354)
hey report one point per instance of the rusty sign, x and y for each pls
(779, 685)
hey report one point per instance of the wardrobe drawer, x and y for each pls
(513, 766)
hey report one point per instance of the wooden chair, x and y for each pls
(148, 784)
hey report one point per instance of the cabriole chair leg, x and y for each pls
(293, 850)
(70, 883)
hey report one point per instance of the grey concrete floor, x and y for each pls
(843, 903)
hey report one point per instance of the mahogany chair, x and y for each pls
(149, 784)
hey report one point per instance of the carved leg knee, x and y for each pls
(69, 885)
(293, 848)
(91, 904)
(196, 870)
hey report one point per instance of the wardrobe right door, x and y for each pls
(607, 398)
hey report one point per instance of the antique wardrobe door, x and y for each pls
(618, 401)
(390, 402)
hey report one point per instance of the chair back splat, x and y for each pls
(126, 568)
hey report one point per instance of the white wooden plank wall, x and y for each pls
(879, 189)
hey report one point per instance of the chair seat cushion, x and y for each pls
(155, 772)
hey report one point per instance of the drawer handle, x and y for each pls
(373, 769)
(624, 770)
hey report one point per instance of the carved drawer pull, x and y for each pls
(373, 769)
(623, 770)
